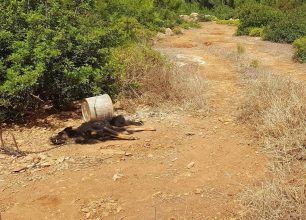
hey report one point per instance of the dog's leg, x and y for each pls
(140, 129)
(117, 135)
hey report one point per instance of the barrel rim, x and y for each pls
(85, 110)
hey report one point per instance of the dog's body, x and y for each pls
(91, 132)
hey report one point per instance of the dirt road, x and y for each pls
(190, 168)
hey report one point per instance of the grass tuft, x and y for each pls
(274, 200)
(275, 107)
(150, 79)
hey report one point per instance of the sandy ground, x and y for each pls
(191, 168)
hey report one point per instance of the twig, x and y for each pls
(37, 97)
(9, 150)
(15, 142)
(1, 139)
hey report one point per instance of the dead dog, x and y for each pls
(92, 132)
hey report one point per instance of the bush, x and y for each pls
(284, 5)
(288, 29)
(58, 57)
(256, 15)
(300, 45)
(224, 12)
(256, 32)
(58, 51)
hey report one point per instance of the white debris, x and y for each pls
(117, 176)
(190, 165)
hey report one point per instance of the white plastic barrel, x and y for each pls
(97, 108)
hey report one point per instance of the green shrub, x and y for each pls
(256, 32)
(256, 15)
(288, 29)
(300, 45)
(55, 52)
(61, 57)
(224, 12)
(284, 5)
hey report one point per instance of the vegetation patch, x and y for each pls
(151, 79)
(287, 29)
(224, 12)
(275, 108)
(256, 16)
(57, 52)
(276, 199)
(256, 32)
(300, 46)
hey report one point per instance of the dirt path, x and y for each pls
(190, 168)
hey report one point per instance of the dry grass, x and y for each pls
(275, 108)
(274, 200)
(152, 80)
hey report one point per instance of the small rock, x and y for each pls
(119, 209)
(117, 176)
(42, 156)
(190, 165)
(88, 215)
(198, 191)
(85, 210)
(194, 15)
(60, 159)
(186, 18)
(159, 36)
(128, 154)
(168, 32)
(150, 155)
(175, 159)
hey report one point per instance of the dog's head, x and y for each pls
(63, 136)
